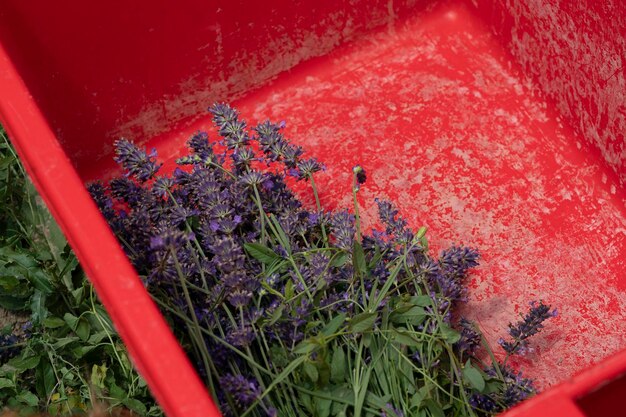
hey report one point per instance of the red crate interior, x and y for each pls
(458, 125)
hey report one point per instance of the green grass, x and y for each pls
(67, 355)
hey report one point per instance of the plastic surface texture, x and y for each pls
(496, 124)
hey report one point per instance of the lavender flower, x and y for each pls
(199, 144)
(391, 411)
(470, 339)
(530, 325)
(388, 214)
(458, 259)
(241, 337)
(103, 201)
(343, 227)
(291, 156)
(253, 178)
(230, 127)
(243, 158)
(243, 390)
(126, 190)
(135, 161)
(162, 186)
(8, 349)
(308, 167)
(223, 113)
(484, 403)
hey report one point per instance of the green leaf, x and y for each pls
(363, 322)
(79, 295)
(13, 303)
(339, 259)
(377, 401)
(323, 407)
(492, 386)
(261, 253)
(404, 338)
(422, 300)
(311, 371)
(117, 392)
(277, 314)
(81, 325)
(38, 307)
(449, 334)
(345, 392)
(105, 319)
(96, 338)
(358, 258)
(305, 347)
(22, 364)
(71, 320)
(282, 237)
(414, 315)
(338, 366)
(289, 290)
(46, 236)
(60, 343)
(135, 405)
(98, 375)
(434, 407)
(473, 377)
(83, 329)
(6, 383)
(28, 398)
(9, 282)
(82, 350)
(45, 379)
(53, 322)
(323, 369)
(40, 280)
(334, 324)
(416, 400)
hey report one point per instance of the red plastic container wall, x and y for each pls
(576, 52)
(100, 71)
(420, 92)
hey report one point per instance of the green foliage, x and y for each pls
(70, 354)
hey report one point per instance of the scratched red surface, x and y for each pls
(576, 52)
(448, 127)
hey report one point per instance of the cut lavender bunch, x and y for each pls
(294, 311)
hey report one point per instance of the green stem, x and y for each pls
(261, 214)
(357, 217)
(319, 209)
(198, 336)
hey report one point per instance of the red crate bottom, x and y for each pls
(449, 128)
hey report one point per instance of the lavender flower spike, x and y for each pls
(531, 324)
(135, 161)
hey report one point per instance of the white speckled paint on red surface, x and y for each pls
(450, 129)
(576, 51)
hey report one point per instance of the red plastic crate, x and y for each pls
(495, 123)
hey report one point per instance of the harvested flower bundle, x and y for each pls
(289, 311)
